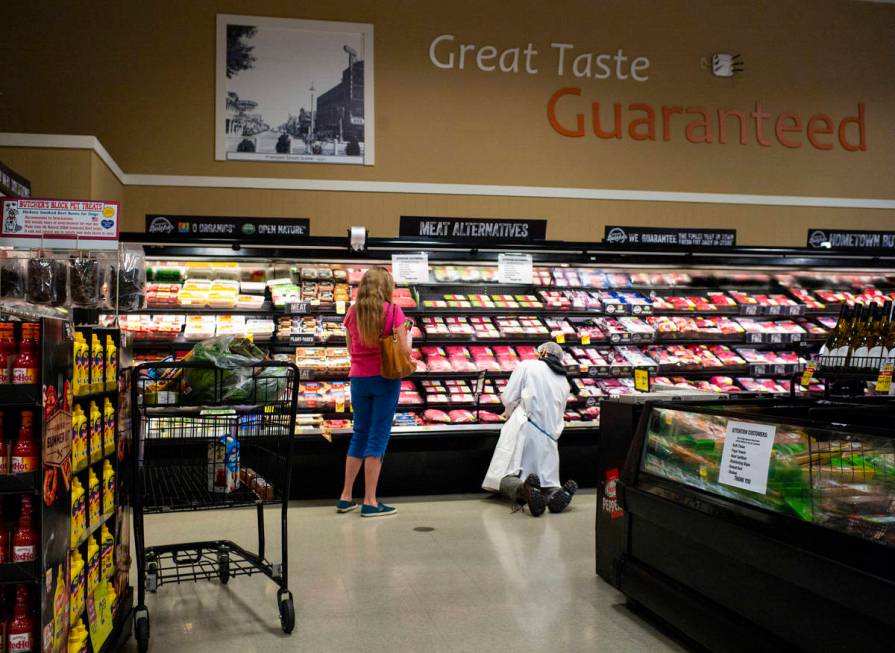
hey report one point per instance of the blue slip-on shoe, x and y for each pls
(345, 506)
(380, 510)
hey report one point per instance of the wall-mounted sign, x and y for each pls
(848, 239)
(12, 184)
(227, 228)
(494, 229)
(59, 224)
(615, 235)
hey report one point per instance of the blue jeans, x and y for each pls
(373, 400)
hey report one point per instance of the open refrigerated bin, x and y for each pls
(764, 525)
(740, 320)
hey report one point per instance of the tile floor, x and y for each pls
(482, 580)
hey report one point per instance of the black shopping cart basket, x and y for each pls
(210, 438)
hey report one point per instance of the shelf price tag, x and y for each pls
(808, 374)
(560, 338)
(514, 268)
(884, 380)
(585, 339)
(340, 307)
(327, 434)
(641, 379)
(410, 268)
(340, 405)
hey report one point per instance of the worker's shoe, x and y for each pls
(561, 499)
(531, 494)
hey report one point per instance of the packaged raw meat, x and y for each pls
(487, 417)
(436, 416)
(461, 416)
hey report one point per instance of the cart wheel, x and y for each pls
(223, 568)
(141, 629)
(287, 611)
(151, 577)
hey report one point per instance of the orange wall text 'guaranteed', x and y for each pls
(703, 125)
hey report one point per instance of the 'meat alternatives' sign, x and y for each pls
(484, 229)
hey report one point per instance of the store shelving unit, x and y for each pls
(581, 435)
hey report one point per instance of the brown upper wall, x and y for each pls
(140, 77)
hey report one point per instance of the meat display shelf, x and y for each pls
(439, 429)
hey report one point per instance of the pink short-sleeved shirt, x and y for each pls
(365, 359)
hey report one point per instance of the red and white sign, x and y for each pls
(610, 495)
(59, 224)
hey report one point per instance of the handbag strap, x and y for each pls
(388, 315)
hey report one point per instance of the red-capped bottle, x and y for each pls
(24, 453)
(21, 634)
(25, 540)
(7, 351)
(4, 545)
(4, 449)
(26, 367)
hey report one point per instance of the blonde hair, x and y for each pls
(375, 289)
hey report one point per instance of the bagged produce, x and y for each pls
(239, 381)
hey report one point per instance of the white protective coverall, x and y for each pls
(538, 396)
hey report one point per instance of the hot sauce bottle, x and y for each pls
(24, 453)
(24, 539)
(7, 350)
(4, 541)
(20, 636)
(26, 367)
(4, 451)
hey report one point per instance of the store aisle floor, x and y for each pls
(482, 580)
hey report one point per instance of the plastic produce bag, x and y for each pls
(127, 279)
(12, 278)
(236, 379)
(84, 277)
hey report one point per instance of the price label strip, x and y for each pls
(884, 380)
(808, 374)
(585, 339)
(641, 379)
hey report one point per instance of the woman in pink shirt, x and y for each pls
(373, 398)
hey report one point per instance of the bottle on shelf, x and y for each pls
(108, 487)
(108, 427)
(855, 331)
(60, 607)
(96, 433)
(4, 449)
(107, 549)
(24, 456)
(889, 336)
(81, 380)
(4, 540)
(94, 506)
(112, 596)
(79, 438)
(97, 365)
(78, 511)
(93, 564)
(25, 540)
(111, 371)
(77, 638)
(7, 351)
(21, 633)
(878, 349)
(836, 344)
(76, 585)
(864, 337)
(26, 366)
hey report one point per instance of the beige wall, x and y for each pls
(52, 172)
(144, 85)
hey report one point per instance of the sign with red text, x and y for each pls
(59, 224)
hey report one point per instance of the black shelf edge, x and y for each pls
(19, 572)
(20, 395)
(19, 483)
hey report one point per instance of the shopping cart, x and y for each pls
(210, 438)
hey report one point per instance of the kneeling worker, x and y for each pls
(525, 464)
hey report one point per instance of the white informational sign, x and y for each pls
(746, 455)
(410, 268)
(514, 268)
(59, 224)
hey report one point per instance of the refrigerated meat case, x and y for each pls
(805, 561)
(613, 309)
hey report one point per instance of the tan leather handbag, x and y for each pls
(393, 362)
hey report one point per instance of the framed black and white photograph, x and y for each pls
(298, 91)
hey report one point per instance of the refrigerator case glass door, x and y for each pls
(841, 481)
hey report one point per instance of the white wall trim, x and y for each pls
(339, 185)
